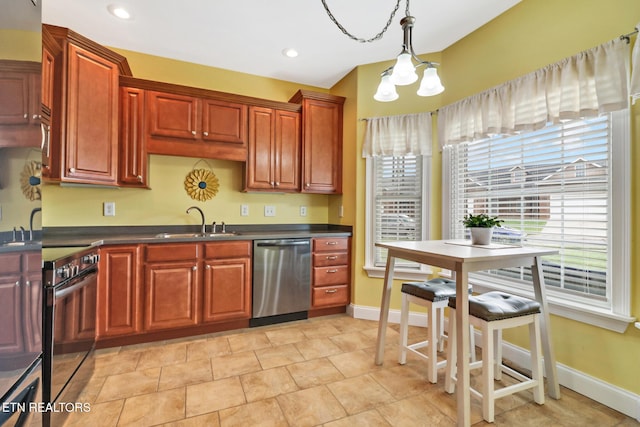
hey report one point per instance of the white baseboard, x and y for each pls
(610, 395)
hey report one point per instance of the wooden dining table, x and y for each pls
(462, 258)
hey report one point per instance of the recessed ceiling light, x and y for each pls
(119, 11)
(290, 52)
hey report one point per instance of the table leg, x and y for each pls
(384, 308)
(462, 342)
(547, 346)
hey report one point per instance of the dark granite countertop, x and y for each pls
(98, 236)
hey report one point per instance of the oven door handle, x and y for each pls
(81, 282)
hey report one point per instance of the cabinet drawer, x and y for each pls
(330, 295)
(332, 275)
(328, 244)
(171, 252)
(324, 259)
(232, 249)
(10, 263)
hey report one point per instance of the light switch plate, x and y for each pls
(303, 211)
(244, 210)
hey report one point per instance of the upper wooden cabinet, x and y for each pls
(20, 110)
(321, 142)
(189, 126)
(133, 158)
(274, 150)
(83, 146)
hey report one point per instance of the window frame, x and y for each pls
(615, 315)
(421, 272)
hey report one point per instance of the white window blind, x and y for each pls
(552, 187)
(398, 205)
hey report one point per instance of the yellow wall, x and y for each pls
(167, 201)
(15, 208)
(531, 35)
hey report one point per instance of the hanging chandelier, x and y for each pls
(403, 72)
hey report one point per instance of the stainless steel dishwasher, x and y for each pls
(281, 280)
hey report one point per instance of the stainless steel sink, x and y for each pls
(193, 235)
(226, 233)
(179, 235)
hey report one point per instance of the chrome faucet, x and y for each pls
(33, 212)
(213, 227)
(201, 215)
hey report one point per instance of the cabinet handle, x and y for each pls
(72, 170)
(205, 133)
(330, 291)
(332, 257)
(208, 267)
(307, 185)
(139, 178)
(332, 271)
(277, 184)
(26, 115)
(18, 283)
(194, 268)
(193, 132)
(28, 283)
(36, 116)
(331, 243)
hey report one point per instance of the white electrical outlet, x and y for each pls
(341, 212)
(109, 209)
(244, 210)
(269, 210)
(303, 211)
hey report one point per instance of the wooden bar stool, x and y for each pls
(433, 294)
(492, 312)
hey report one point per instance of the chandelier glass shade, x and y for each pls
(403, 72)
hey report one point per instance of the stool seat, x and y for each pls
(434, 295)
(433, 290)
(498, 305)
(492, 312)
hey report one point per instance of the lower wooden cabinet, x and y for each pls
(227, 281)
(119, 293)
(20, 296)
(171, 282)
(147, 289)
(331, 272)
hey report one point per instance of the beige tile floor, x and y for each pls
(305, 373)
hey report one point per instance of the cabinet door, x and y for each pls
(259, 173)
(287, 147)
(322, 147)
(171, 295)
(32, 295)
(132, 169)
(14, 98)
(47, 84)
(119, 303)
(224, 122)
(173, 116)
(92, 119)
(11, 334)
(227, 289)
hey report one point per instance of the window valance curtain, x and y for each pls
(398, 135)
(585, 85)
(634, 86)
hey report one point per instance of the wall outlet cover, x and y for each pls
(109, 208)
(244, 210)
(269, 210)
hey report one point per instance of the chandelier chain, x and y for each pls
(362, 40)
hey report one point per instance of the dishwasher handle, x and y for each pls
(279, 243)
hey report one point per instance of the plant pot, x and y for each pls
(480, 235)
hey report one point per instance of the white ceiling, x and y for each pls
(249, 35)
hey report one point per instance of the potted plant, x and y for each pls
(481, 227)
